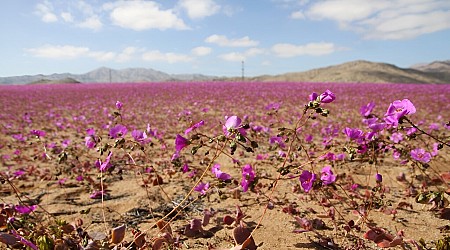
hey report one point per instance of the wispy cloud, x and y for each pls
(140, 15)
(156, 55)
(58, 51)
(92, 22)
(311, 49)
(45, 11)
(80, 14)
(197, 9)
(226, 42)
(383, 19)
(201, 51)
(241, 56)
(70, 52)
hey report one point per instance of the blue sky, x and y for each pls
(212, 37)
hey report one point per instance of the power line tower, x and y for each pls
(242, 71)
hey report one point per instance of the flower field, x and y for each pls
(225, 165)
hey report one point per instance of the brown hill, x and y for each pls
(358, 71)
(59, 81)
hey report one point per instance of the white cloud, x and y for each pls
(45, 12)
(127, 54)
(233, 57)
(199, 8)
(310, 49)
(297, 15)
(69, 52)
(92, 22)
(67, 17)
(156, 55)
(140, 15)
(225, 42)
(238, 56)
(384, 19)
(102, 56)
(201, 51)
(58, 51)
(253, 52)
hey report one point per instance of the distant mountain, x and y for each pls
(105, 75)
(59, 81)
(439, 69)
(355, 71)
(361, 71)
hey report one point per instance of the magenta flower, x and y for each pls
(118, 131)
(25, 209)
(397, 110)
(307, 180)
(232, 124)
(195, 126)
(97, 194)
(248, 176)
(90, 131)
(140, 136)
(37, 133)
(19, 137)
(367, 109)
(219, 174)
(180, 143)
(119, 105)
(378, 178)
(185, 168)
(65, 143)
(277, 140)
(353, 133)
(202, 188)
(327, 97)
(24, 241)
(313, 96)
(327, 176)
(103, 166)
(419, 154)
(89, 142)
(435, 149)
(396, 137)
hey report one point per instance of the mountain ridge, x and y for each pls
(354, 71)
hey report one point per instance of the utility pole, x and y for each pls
(242, 71)
(110, 77)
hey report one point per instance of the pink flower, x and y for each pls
(103, 166)
(248, 176)
(327, 97)
(37, 133)
(219, 174)
(353, 133)
(25, 209)
(396, 137)
(202, 188)
(327, 176)
(419, 154)
(97, 194)
(232, 125)
(119, 105)
(90, 131)
(313, 96)
(140, 136)
(367, 109)
(195, 126)
(180, 143)
(118, 131)
(397, 110)
(89, 142)
(307, 180)
(378, 178)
